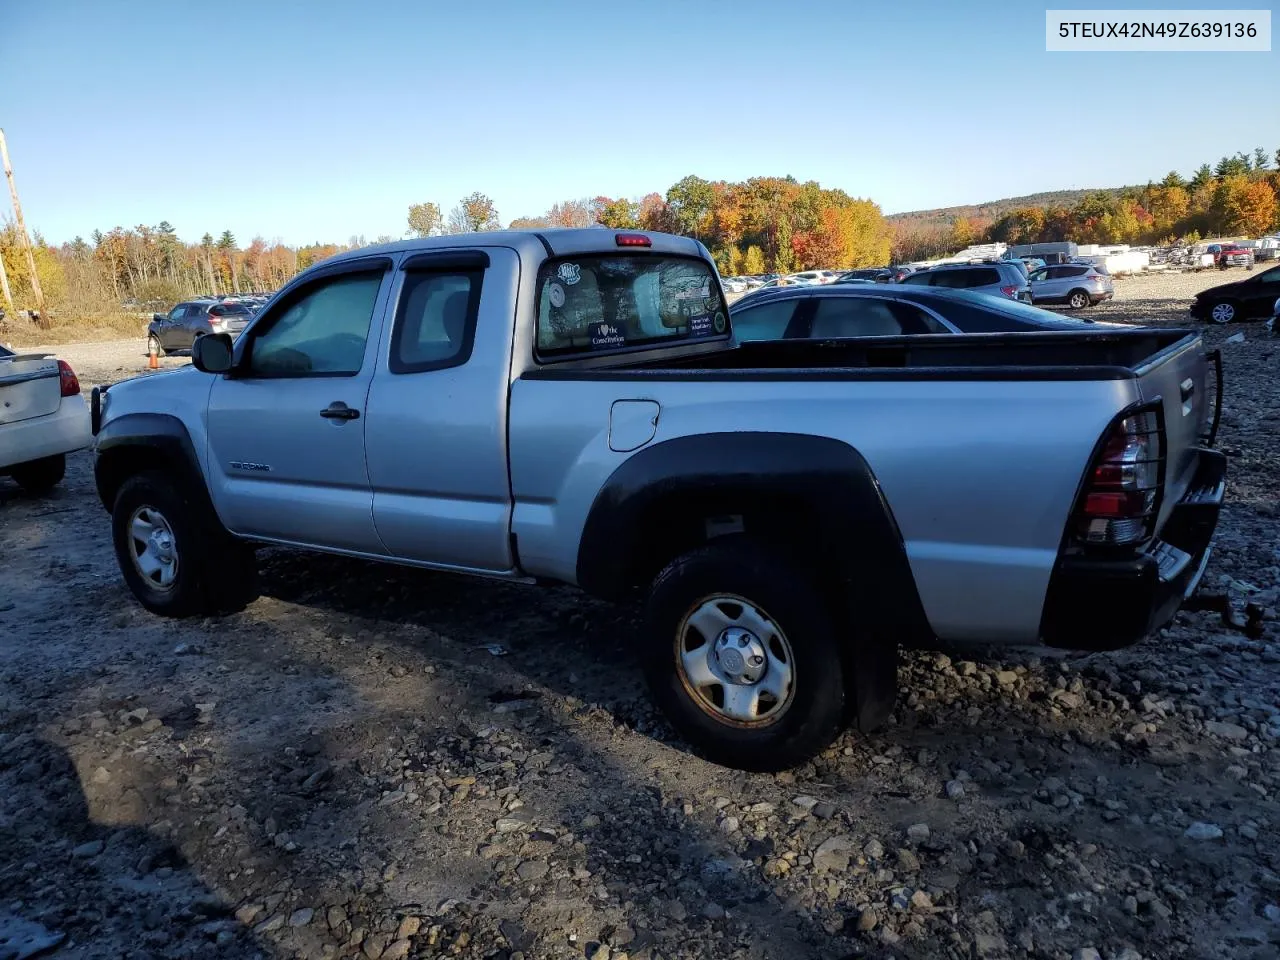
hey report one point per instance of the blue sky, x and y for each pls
(322, 120)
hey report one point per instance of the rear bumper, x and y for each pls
(1103, 604)
(63, 431)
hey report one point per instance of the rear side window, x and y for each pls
(436, 321)
(867, 317)
(960, 279)
(591, 303)
(768, 321)
(1074, 271)
(920, 279)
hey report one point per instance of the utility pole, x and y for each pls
(22, 232)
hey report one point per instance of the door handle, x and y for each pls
(1187, 388)
(340, 411)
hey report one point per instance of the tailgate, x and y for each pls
(29, 387)
(1179, 376)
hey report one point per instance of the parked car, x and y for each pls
(1000, 279)
(571, 406)
(874, 274)
(43, 417)
(1231, 255)
(733, 285)
(1240, 300)
(179, 328)
(1076, 285)
(867, 309)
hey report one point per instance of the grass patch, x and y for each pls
(82, 328)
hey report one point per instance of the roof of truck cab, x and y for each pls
(561, 241)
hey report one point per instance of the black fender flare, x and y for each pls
(856, 537)
(143, 441)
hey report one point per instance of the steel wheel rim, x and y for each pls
(1223, 312)
(153, 547)
(735, 662)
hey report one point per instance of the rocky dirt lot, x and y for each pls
(377, 763)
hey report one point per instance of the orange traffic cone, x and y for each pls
(153, 361)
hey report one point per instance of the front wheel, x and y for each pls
(153, 346)
(175, 558)
(40, 476)
(742, 657)
(1224, 311)
(1078, 300)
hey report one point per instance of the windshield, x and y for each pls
(592, 303)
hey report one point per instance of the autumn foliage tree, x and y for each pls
(425, 219)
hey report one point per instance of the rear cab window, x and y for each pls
(608, 302)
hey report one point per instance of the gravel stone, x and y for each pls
(1203, 831)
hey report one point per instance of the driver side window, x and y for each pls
(319, 331)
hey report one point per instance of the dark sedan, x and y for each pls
(1242, 300)
(877, 310)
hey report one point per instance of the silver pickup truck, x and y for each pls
(570, 406)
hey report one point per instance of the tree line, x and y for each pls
(1239, 195)
(759, 225)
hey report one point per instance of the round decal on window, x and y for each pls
(556, 293)
(719, 322)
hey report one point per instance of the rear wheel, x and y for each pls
(1078, 299)
(174, 556)
(40, 476)
(742, 657)
(1224, 311)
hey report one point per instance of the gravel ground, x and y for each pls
(381, 763)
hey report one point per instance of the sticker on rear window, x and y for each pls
(555, 293)
(569, 273)
(606, 335)
(718, 322)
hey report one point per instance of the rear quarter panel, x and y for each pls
(980, 475)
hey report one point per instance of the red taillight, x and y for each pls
(633, 240)
(67, 378)
(1010, 292)
(1119, 502)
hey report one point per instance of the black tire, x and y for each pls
(1223, 311)
(1078, 299)
(153, 345)
(40, 476)
(214, 572)
(739, 568)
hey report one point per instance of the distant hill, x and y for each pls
(995, 209)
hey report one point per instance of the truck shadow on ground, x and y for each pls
(559, 640)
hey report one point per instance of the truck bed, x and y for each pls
(1040, 355)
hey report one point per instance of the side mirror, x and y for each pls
(212, 353)
(161, 317)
